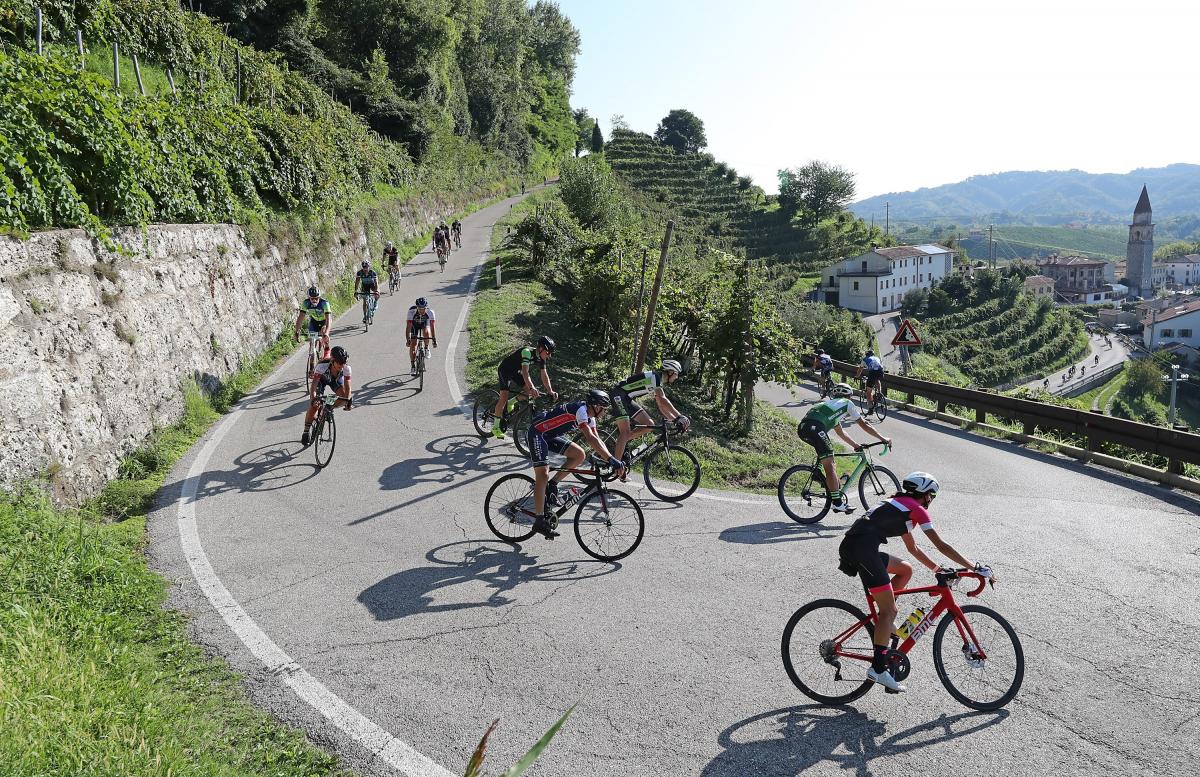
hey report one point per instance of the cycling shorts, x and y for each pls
(815, 435)
(873, 378)
(316, 326)
(860, 555)
(509, 381)
(416, 331)
(623, 406)
(540, 445)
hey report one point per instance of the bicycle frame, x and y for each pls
(946, 603)
(662, 440)
(863, 456)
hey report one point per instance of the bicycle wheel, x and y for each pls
(823, 669)
(508, 508)
(860, 399)
(366, 320)
(979, 683)
(876, 484)
(803, 494)
(518, 424)
(672, 474)
(420, 371)
(325, 438)
(609, 525)
(482, 414)
(311, 364)
(880, 409)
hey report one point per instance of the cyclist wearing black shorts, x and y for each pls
(456, 232)
(828, 416)
(627, 411)
(316, 310)
(366, 281)
(513, 374)
(391, 258)
(874, 369)
(332, 373)
(823, 364)
(883, 574)
(548, 433)
(420, 322)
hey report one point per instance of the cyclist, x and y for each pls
(823, 363)
(439, 243)
(874, 369)
(859, 554)
(826, 416)
(391, 258)
(456, 230)
(548, 432)
(316, 309)
(421, 322)
(366, 281)
(626, 411)
(333, 373)
(514, 376)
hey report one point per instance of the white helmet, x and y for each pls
(670, 365)
(842, 390)
(920, 483)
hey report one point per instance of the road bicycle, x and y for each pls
(458, 239)
(393, 281)
(441, 256)
(422, 356)
(805, 497)
(314, 356)
(370, 302)
(981, 663)
(608, 523)
(516, 420)
(824, 387)
(876, 411)
(324, 430)
(671, 472)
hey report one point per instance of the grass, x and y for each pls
(806, 283)
(503, 319)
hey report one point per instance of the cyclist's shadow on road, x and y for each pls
(498, 566)
(267, 468)
(772, 532)
(385, 391)
(786, 742)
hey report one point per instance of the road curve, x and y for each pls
(390, 608)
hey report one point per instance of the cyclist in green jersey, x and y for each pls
(626, 411)
(514, 373)
(828, 416)
(316, 310)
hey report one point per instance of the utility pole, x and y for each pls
(887, 216)
(991, 247)
(1175, 378)
(640, 361)
(747, 410)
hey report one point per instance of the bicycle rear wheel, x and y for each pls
(880, 409)
(609, 525)
(876, 484)
(483, 414)
(311, 362)
(325, 437)
(509, 508)
(823, 668)
(803, 494)
(979, 683)
(672, 474)
(518, 424)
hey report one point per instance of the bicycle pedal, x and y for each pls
(889, 690)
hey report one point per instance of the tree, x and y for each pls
(682, 130)
(584, 123)
(914, 302)
(589, 189)
(939, 302)
(1143, 379)
(817, 189)
(1176, 248)
(597, 139)
(618, 122)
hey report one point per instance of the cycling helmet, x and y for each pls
(870, 352)
(365, 264)
(820, 352)
(390, 245)
(671, 365)
(842, 390)
(422, 302)
(548, 344)
(598, 398)
(339, 355)
(313, 291)
(920, 483)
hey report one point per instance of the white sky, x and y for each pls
(904, 93)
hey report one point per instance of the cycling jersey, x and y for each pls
(872, 363)
(549, 429)
(456, 226)
(326, 379)
(639, 384)
(859, 550)
(826, 362)
(316, 313)
(417, 320)
(392, 257)
(833, 412)
(522, 357)
(369, 279)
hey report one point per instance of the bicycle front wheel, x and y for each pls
(325, 438)
(509, 508)
(609, 525)
(827, 647)
(803, 494)
(880, 409)
(979, 682)
(518, 424)
(672, 474)
(420, 373)
(309, 371)
(876, 484)
(483, 414)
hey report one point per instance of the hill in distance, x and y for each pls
(1046, 197)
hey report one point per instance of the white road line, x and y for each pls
(451, 379)
(387, 748)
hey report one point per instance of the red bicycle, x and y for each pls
(981, 663)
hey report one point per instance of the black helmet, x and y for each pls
(313, 291)
(599, 398)
(365, 264)
(820, 352)
(870, 352)
(339, 355)
(422, 302)
(548, 344)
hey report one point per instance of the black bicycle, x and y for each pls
(393, 281)
(825, 385)
(517, 420)
(671, 471)
(324, 430)
(608, 523)
(805, 497)
(422, 357)
(872, 411)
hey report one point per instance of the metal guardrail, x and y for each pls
(1090, 381)
(1177, 447)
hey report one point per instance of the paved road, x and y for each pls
(373, 590)
(1109, 357)
(885, 326)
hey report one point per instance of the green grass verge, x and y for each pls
(503, 319)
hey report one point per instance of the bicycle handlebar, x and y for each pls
(945, 578)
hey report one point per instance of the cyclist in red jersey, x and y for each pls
(859, 554)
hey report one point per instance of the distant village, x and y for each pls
(1156, 302)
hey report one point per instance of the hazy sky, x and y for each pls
(906, 93)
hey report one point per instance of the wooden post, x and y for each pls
(640, 362)
(171, 81)
(637, 324)
(237, 64)
(747, 410)
(79, 45)
(980, 416)
(116, 66)
(137, 72)
(941, 406)
(498, 263)
(38, 12)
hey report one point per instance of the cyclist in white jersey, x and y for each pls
(421, 322)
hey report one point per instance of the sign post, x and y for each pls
(906, 337)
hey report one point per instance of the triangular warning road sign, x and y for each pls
(906, 335)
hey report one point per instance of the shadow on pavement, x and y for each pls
(267, 468)
(786, 742)
(500, 567)
(777, 531)
(385, 391)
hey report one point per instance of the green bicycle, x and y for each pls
(805, 497)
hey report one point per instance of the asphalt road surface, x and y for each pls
(368, 603)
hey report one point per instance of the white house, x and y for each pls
(1183, 270)
(1179, 324)
(877, 281)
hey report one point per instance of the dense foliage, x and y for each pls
(681, 130)
(815, 191)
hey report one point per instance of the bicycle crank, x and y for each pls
(898, 664)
